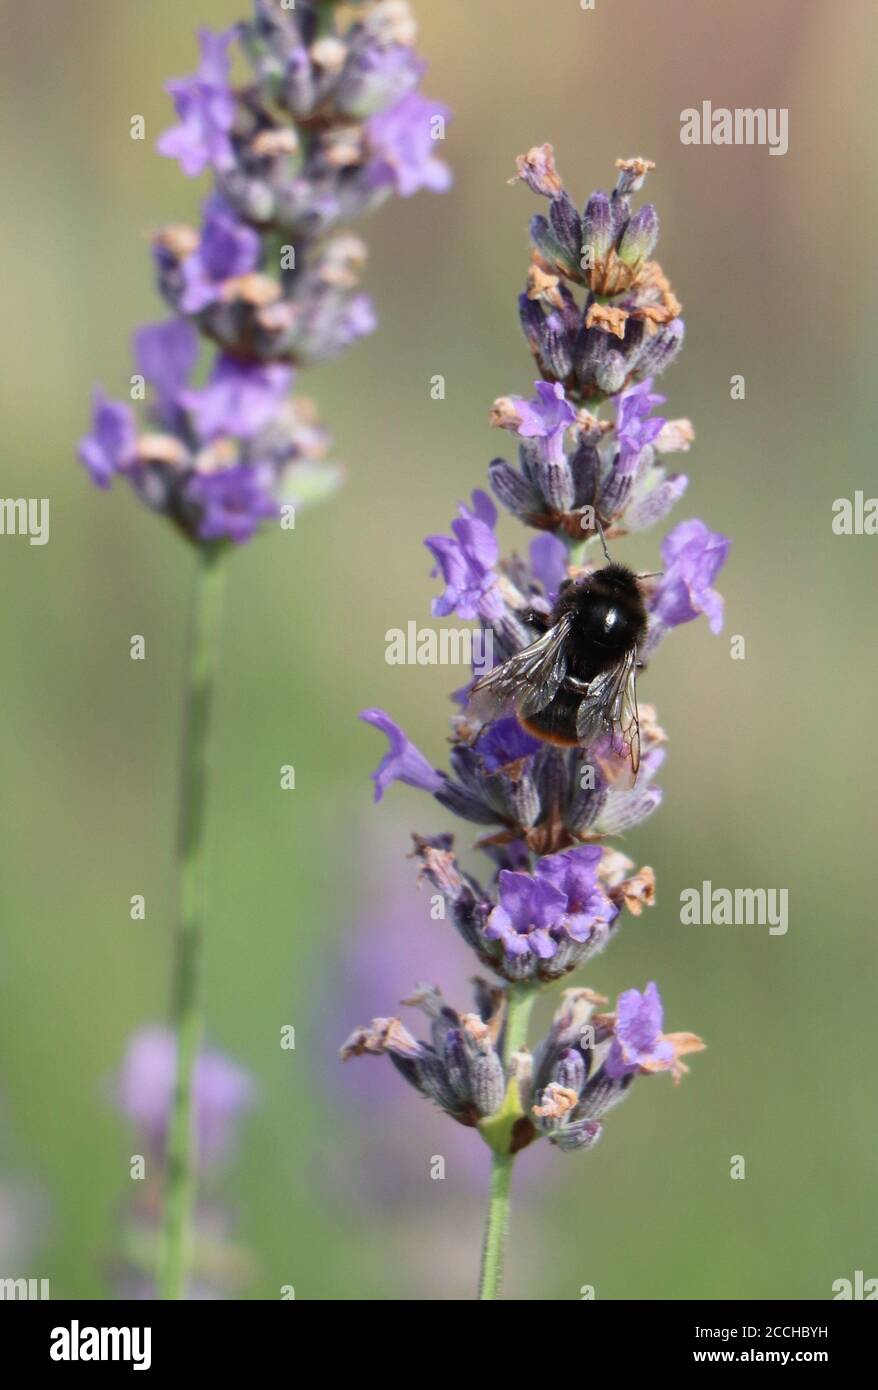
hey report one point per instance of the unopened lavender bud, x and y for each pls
(522, 797)
(597, 231)
(555, 348)
(611, 373)
(487, 1083)
(567, 230)
(582, 1134)
(298, 84)
(532, 318)
(456, 1063)
(547, 243)
(255, 199)
(601, 1094)
(433, 1081)
(660, 350)
(587, 804)
(570, 1071)
(640, 237)
(585, 469)
(514, 491)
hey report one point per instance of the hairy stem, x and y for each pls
(496, 1226)
(203, 654)
(519, 1002)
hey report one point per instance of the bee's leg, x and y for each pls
(576, 685)
(534, 618)
(600, 530)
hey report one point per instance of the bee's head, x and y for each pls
(617, 579)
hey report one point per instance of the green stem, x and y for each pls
(181, 1158)
(519, 1002)
(496, 1225)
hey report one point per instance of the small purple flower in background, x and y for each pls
(226, 249)
(554, 889)
(233, 501)
(403, 147)
(240, 398)
(110, 447)
(143, 1092)
(144, 1089)
(206, 107)
(165, 354)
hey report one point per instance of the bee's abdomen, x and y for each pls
(557, 722)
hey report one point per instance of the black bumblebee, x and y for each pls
(579, 679)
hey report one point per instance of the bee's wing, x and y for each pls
(611, 706)
(531, 678)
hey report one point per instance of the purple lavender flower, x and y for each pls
(206, 108)
(109, 449)
(546, 416)
(638, 1041)
(505, 743)
(240, 398)
(548, 562)
(326, 130)
(466, 561)
(233, 502)
(636, 426)
(144, 1090)
(693, 556)
(404, 762)
(574, 873)
(402, 145)
(226, 248)
(524, 917)
(165, 354)
(555, 890)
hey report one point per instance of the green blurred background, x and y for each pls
(770, 776)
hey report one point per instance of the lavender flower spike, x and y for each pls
(553, 889)
(326, 127)
(330, 126)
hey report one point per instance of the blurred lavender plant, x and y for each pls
(328, 126)
(557, 888)
(143, 1093)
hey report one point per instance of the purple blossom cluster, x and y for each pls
(582, 1068)
(328, 127)
(590, 444)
